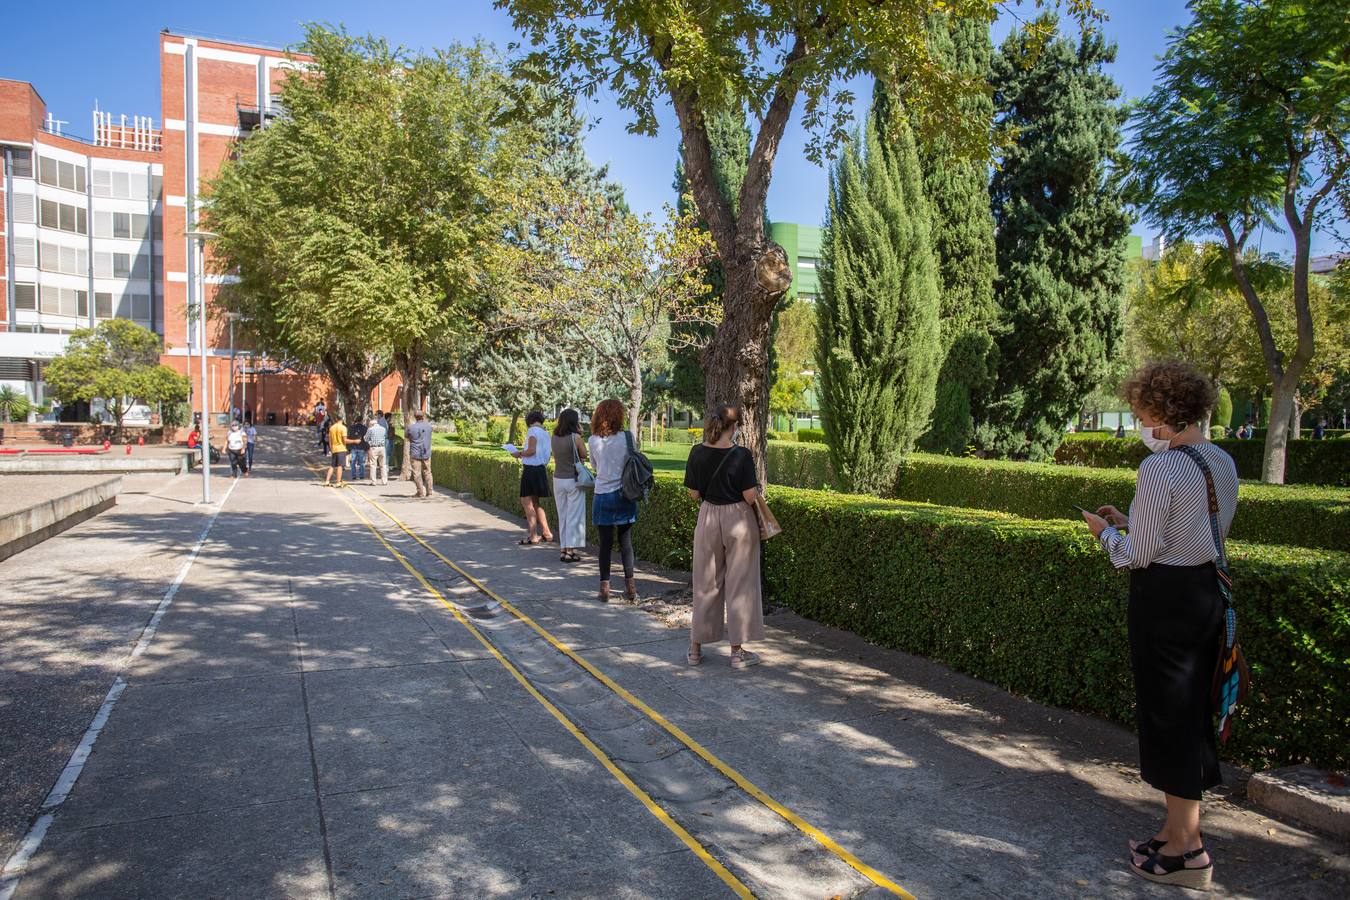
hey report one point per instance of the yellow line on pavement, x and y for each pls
(700, 851)
(674, 730)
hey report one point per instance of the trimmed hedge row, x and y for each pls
(1029, 605)
(1307, 462)
(1297, 515)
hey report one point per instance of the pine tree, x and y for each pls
(963, 240)
(729, 136)
(1060, 238)
(877, 324)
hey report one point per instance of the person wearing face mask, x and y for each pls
(727, 599)
(1170, 542)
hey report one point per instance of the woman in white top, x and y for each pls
(1170, 543)
(534, 479)
(612, 512)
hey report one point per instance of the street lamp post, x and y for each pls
(201, 237)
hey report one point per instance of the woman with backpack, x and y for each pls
(612, 512)
(727, 599)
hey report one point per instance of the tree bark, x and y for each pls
(1277, 431)
(635, 401)
(409, 365)
(1295, 425)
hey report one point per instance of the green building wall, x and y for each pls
(802, 242)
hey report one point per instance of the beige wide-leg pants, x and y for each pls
(727, 602)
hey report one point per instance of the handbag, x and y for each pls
(1232, 678)
(768, 522)
(585, 479)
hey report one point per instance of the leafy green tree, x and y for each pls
(1249, 121)
(714, 55)
(879, 347)
(963, 238)
(1059, 238)
(116, 362)
(729, 142)
(364, 222)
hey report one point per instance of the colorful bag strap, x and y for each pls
(1228, 677)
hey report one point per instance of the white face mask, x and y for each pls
(1154, 444)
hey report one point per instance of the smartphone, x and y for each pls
(1080, 509)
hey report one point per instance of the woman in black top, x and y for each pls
(727, 602)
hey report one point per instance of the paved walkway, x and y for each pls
(311, 720)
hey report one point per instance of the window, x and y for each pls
(103, 305)
(140, 266)
(103, 267)
(64, 301)
(25, 251)
(64, 217)
(134, 306)
(21, 163)
(24, 208)
(25, 296)
(140, 226)
(121, 225)
(67, 260)
(59, 173)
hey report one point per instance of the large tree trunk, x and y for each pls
(1295, 419)
(736, 361)
(635, 401)
(1277, 431)
(409, 365)
(354, 377)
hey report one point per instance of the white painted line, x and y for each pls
(18, 861)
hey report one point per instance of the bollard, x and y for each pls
(140, 441)
(128, 449)
(107, 444)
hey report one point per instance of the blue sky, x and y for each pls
(108, 52)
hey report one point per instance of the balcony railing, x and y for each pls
(138, 133)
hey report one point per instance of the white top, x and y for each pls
(608, 455)
(543, 447)
(234, 440)
(1169, 518)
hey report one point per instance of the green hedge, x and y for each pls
(1308, 462)
(811, 435)
(1297, 515)
(1029, 605)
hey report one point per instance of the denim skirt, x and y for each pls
(613, 509)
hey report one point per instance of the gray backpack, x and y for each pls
(638, 475)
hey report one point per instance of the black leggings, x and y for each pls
(607, 548)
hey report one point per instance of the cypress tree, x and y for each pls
(963, 240)
(1059, 238)
(877, 316)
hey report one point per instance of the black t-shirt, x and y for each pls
(358, 431)
(737, 473)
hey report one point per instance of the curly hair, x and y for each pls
(607, 418)
(1174, 392)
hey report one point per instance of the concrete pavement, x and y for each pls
(310, 721)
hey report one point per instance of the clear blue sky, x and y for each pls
(91, 51)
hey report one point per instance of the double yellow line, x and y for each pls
(675, 731)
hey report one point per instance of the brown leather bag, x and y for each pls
(768, 523)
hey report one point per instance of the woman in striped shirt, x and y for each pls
(1176, 611)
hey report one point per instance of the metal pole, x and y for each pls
(201, 334)
(231, 403)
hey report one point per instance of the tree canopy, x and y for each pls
(117, 362)
(1248, 124)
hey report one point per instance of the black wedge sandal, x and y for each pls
(1175, 871)
(1148, 847)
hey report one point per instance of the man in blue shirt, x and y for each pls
(418, 440)
(377, 460)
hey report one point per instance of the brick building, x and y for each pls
(93, 227)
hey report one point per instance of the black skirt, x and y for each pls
(534, 481)
(1175, 626)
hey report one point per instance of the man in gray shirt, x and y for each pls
(418, 439)
(379, 463)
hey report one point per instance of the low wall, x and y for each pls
(33, 524)
(110, 463)
(85, 433)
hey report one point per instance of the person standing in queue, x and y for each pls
(728, 603)
(389, 435)
(418, 439)
(378, 460)
(357, 446)
(1170, 543)
(534, 479)
(613, 513)
(337, 439)
(569, 455)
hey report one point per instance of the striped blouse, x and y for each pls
(1169, 518)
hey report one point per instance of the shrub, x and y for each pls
(1296, 515)
(496, 431)
(942, 582)
(1307, 462)
(811, 435)
(466, 430)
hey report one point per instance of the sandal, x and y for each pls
(694, 657)
(527, 542)
(569, 558)
(740, 659)
(1148, 847)
(1175, 871)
